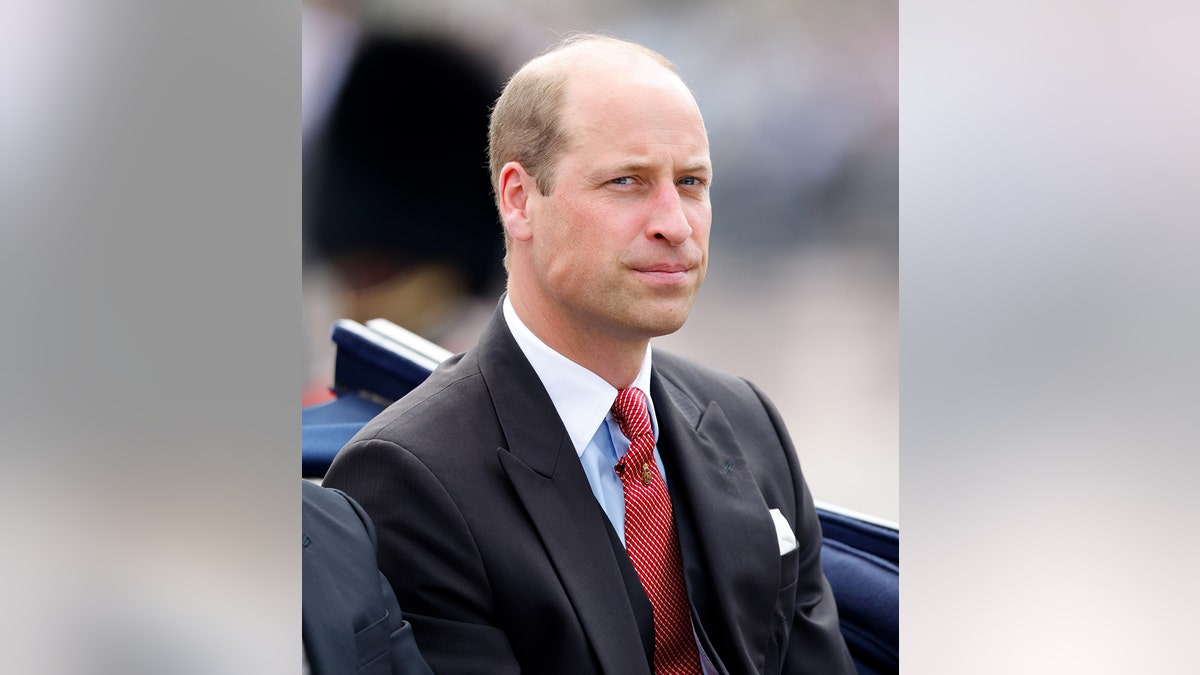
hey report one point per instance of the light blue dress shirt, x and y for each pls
(584, 401)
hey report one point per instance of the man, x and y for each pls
(351, 622)
(519, 492)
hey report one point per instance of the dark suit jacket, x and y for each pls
(505, 562)
(351, 622)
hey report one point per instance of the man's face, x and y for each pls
(620, 247)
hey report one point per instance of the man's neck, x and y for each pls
(617, 361)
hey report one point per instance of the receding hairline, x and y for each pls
(551, 73)
(572, 60)
(586, 49)
(540, 88)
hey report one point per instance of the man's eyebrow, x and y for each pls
(621, 169)
(698, 167)
(642, 167)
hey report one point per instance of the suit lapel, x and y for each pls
(545, 472)
(731, 558)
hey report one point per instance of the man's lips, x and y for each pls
(667, 268)
(666, 273)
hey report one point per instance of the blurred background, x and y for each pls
(800, 101)
(149, 205)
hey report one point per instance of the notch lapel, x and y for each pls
(543, 467)
(725, 529)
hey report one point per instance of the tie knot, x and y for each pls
(630, 412)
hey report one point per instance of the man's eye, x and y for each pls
(623, 180)
(689, 180)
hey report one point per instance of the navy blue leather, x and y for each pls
(861, 561)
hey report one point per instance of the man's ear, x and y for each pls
(516, 188)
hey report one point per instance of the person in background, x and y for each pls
(562, 497)
(351, 621)
(415, 242)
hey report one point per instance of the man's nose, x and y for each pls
(668, 219)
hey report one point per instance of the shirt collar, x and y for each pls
(582, 398)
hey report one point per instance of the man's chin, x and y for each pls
(665, 322)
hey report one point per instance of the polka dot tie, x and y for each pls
(651, 542)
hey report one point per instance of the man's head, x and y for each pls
(526, 122)
(601, 167)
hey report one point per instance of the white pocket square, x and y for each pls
(783, 531)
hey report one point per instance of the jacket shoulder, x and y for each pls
(702, 384)
(435, 404)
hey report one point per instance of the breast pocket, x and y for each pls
(789, 571)
(785, 608)
(372, 644)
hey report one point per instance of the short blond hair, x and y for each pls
(526, 123)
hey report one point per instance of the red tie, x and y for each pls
(651, 542)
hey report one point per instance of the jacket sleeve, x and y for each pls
(405, 656)
(429, 557)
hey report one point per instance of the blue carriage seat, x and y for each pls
(379, 362)
(860, 556)
(374, 365)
